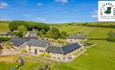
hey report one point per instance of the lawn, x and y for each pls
(73, 29)
(100, 33)
(100, 57)
(7, 63)
(4, 27)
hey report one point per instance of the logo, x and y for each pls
(106, 10)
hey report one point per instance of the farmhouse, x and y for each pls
(36, 46)
(76, 38)
(64, 52)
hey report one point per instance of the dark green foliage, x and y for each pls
(43, 32)
(63, 35)
(53, 33)
(13, 25)
(22, 29)
(18, 34)
(24, 26)
(4, 39)
(109, 25)
(38, 26)
(111, 36)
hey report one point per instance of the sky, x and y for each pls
(49, 11)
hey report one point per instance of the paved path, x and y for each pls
(38, 58)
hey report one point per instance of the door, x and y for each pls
(35, 51)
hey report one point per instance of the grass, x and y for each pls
(73, 29)
(100, 33)
(7, 63)
(3, 27)
(100, 57)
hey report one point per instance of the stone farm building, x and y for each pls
(36, 46)
(18, 43)
(76, 38)
(63, 52)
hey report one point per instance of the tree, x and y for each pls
(18, 34)
(53, 33)
(22, 29)
(63, 35)
(4, 39)
(111, 36)
(13, 25)
(1, 49)
(43, 32)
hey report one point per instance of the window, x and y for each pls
(40, 50)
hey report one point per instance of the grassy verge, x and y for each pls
(3, 27)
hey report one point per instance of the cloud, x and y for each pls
(39, 4)
(95, 14)
(41, 19)
(62, 1)
(3, 5)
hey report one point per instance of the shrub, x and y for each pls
(111, 36)
(4, 39)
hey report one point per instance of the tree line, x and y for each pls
(99, 25)
(19, 28)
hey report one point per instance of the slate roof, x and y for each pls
(71, 47)
(64, 49)
(37, 43)
(54, 49)
(18, 41)
(77, 37)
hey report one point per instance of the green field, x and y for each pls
(7, 63)
(73, 29)
(3, 27)
(99, 57)
(100, 33)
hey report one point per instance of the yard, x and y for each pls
(7, 63)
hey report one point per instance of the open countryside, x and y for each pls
(99, 57)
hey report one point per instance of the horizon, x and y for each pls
(49, 11)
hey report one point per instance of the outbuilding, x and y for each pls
(35, 46)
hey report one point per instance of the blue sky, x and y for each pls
(50, 11)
